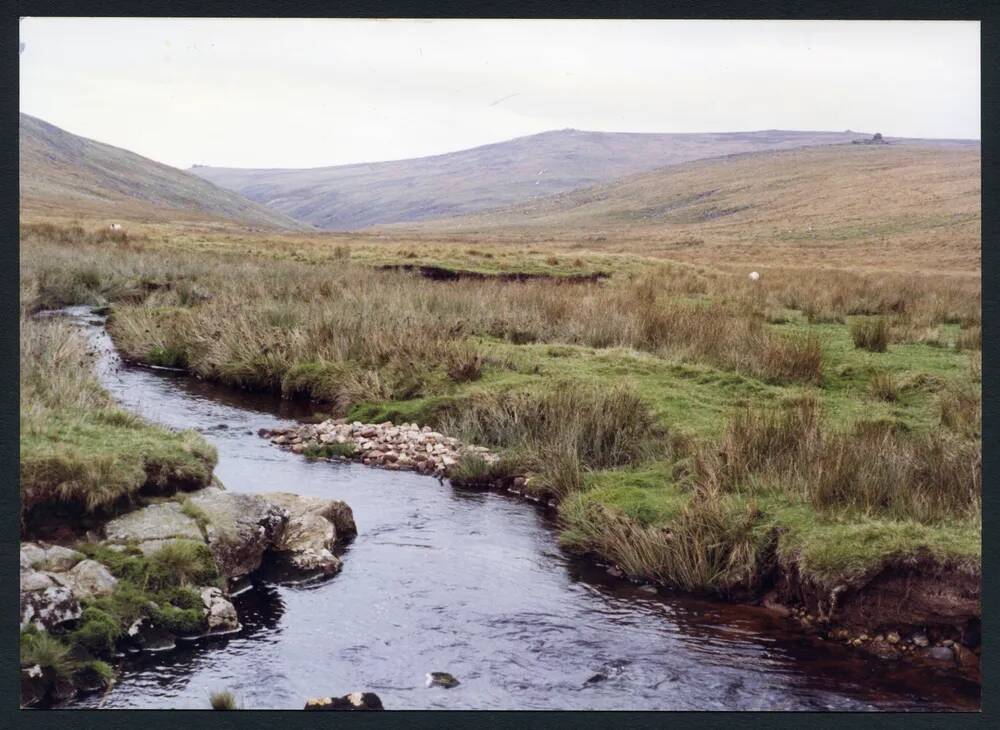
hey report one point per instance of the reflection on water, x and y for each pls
(441, 579)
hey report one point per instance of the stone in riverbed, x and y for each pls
(441, 679)
(353, 702)
(220, 612)
(940, 654)
(145, 636)
(314, 526)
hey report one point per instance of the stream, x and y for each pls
(472, 583)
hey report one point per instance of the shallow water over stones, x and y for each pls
(473, 584)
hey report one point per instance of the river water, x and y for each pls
(471, 583)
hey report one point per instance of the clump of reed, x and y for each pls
(560, 432)
(879, 470)
(714, 544)
(870, 334)
(883, 386)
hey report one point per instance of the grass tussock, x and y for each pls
(870, 334)
(330, 451)
(712, 544)
(961, 410)
(883, 387)
(560, 432)
(875, 470)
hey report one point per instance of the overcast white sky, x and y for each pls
(305, 93)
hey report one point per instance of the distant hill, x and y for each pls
(891, 206)
(879, 189)
(59, 170)
(349, 197)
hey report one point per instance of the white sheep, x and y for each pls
(116, 226)
(754, 276)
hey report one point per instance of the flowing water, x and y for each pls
(471, 583)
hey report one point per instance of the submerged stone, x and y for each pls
(441, 679)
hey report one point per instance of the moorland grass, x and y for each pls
(692, 427)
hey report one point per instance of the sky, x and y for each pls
(308, 93)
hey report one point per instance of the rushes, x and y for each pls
(560, 432)
(883, 387)
(712, 545)
(872, 470)
(870, 334)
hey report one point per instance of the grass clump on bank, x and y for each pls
(160, 587)
(80, 453)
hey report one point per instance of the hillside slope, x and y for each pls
(59, 170)
(891, 206)
(349, 197)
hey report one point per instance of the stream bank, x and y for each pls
(472, 583)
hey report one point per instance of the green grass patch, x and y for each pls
(330, 451)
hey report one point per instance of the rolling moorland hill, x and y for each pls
(61, 171)
(839, 203)
(349, 197)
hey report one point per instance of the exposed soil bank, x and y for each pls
(439, 273)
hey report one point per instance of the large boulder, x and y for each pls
(337, 513)
(241, 527)
(49, 607)
(152, 527)
(312, 531)
(88, 579)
